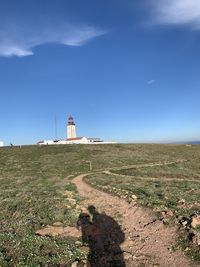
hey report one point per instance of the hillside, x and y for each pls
(39, 191)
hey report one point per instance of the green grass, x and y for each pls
(188, 170)
(157, 194)
(32, 186)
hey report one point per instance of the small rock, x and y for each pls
(170, 250)
(74, 264)
(68, 193)
(84, 209)
(169, 213)
(134, 197)
(84, 249)
(181, 201)
(127, 256)
(78, 243)
(72, 201)
(183, 220)
(163, 213)
(184, 223)
(195, 221)
(57, 224)
(196, 239)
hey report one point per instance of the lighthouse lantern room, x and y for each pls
(71, 128)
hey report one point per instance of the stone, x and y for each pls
(78, 243)
(181, 201)
(134, 197)
(196, 239)
(184, 223)
(163, 213)
(68, 193)
(72, 201)
(57, 224)
(50, 230)
(127, 256)
(74, 264)
(195, 222)
(169, 213)
(85, 249)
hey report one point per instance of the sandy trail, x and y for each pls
(148, 242)
(152, 178)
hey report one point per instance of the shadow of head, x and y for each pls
(83, 219)
(103, 236)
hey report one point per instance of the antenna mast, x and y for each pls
(55, 121)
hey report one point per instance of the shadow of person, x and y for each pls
(103, 236)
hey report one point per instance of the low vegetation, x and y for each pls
(34, 181)
(172, 190)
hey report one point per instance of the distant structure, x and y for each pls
(71, 128)
(71, 135)
(72, 138)
(1, 143)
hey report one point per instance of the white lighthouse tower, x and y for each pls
(71, 128)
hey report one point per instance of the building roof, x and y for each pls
(73, 139)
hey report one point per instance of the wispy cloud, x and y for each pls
(151, 82)
(177, 12)
(20, 40)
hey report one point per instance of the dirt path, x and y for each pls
(148, 242)
(152, 178)
(143, 165)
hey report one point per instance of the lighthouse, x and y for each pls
(71, 128)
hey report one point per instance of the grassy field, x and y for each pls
(33, 181)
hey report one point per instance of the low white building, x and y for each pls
(77, 140)
(1, 143)
(46, 142)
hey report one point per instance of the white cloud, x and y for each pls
(177, 12)
(11, 50)
(151, 82)
(79, 37)
(20, 40)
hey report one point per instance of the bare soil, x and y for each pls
(147, 241)
(54, 230)
(153, 178)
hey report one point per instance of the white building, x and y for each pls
(1, 143)
(72, 138)
(46, 142)
(71, 135)
(77, 140)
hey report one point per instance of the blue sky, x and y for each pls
(126, 70)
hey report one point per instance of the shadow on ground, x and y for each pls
(103, 235)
